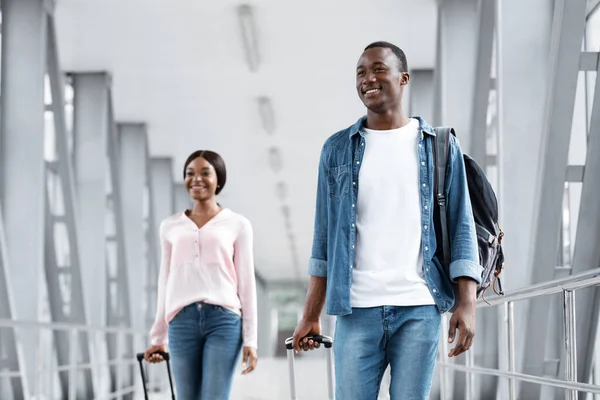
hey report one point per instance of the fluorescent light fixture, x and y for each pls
(281, 190)
(248, 31)
(275, 159)
(265, 110)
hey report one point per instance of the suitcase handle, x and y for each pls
(167, 358)
(327, 342)
(324, 340)
(165, 355)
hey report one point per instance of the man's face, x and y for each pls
(379, 82)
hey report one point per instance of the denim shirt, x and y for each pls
(335, 230)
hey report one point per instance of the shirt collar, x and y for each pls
(357, 128)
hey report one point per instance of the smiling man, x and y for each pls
(374, 248)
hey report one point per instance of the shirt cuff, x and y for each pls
(317, 267)
(467, 269)
(251, 343)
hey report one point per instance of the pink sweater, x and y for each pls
(214, 264)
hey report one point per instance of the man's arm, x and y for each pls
(464, 265)
(317, 268)
(310, 324)
(318, 259)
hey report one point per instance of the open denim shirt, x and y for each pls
(335, 230)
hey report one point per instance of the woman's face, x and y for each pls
(200, 179)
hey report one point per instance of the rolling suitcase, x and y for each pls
(167, 357)
(327, 342)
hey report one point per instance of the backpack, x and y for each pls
(485, 213)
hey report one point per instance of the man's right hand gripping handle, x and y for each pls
(310, 324)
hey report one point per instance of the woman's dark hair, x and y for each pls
(213, 159)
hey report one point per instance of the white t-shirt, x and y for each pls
(388, 267)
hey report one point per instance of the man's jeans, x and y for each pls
(204, 342)
(369, 339)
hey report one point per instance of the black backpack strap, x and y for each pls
(441, 145)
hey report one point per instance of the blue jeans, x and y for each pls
(204, 342)
(369, 339)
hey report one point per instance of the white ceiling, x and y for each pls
(180, 67)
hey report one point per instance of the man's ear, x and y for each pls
(404, 78)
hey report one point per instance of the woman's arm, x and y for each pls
(243, 260)
(159, 330)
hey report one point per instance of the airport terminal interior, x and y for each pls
(102, 101)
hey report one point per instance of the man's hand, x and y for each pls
(249, 359)
(306, 328)
(463, 319)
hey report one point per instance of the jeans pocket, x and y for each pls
(339, 181)
(226, 311)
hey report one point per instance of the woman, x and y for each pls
(206, 288)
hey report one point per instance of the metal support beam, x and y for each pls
(22, 132)
(162, 198)
(119, 312)
(567, 33)
(90, 138)
(454, 86)
(133, 172)
(163, 194)
(589, 61)
(520, 40)
(482, 86)
(91, 132)
(458, 24)
(587, 252)
(592, 5)
(69, 307)
(8, 344)
(182, 198)
(421, 93)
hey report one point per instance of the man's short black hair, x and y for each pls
(402, 64)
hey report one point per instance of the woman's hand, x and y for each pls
(152, 355)
(249, 359)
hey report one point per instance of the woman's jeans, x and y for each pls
(204, 342)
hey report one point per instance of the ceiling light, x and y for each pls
(248, 31)
(275, 159)
(265, 110)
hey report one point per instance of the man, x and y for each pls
(374, 244)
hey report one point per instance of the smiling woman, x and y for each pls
(207, 164)
(206, 279)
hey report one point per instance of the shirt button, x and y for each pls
(420, 145)
(353, 225)
(425, 227)
(427, 269)
(426, 248)
(362, 143)
(358, 162)
(424, 185)
(422, 163)
(352, 246)
(354, 183)
(434, 290)
(350, 266)
(427, 207)
(352, 205)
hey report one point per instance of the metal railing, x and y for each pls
(567, 286)
(114, 375)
